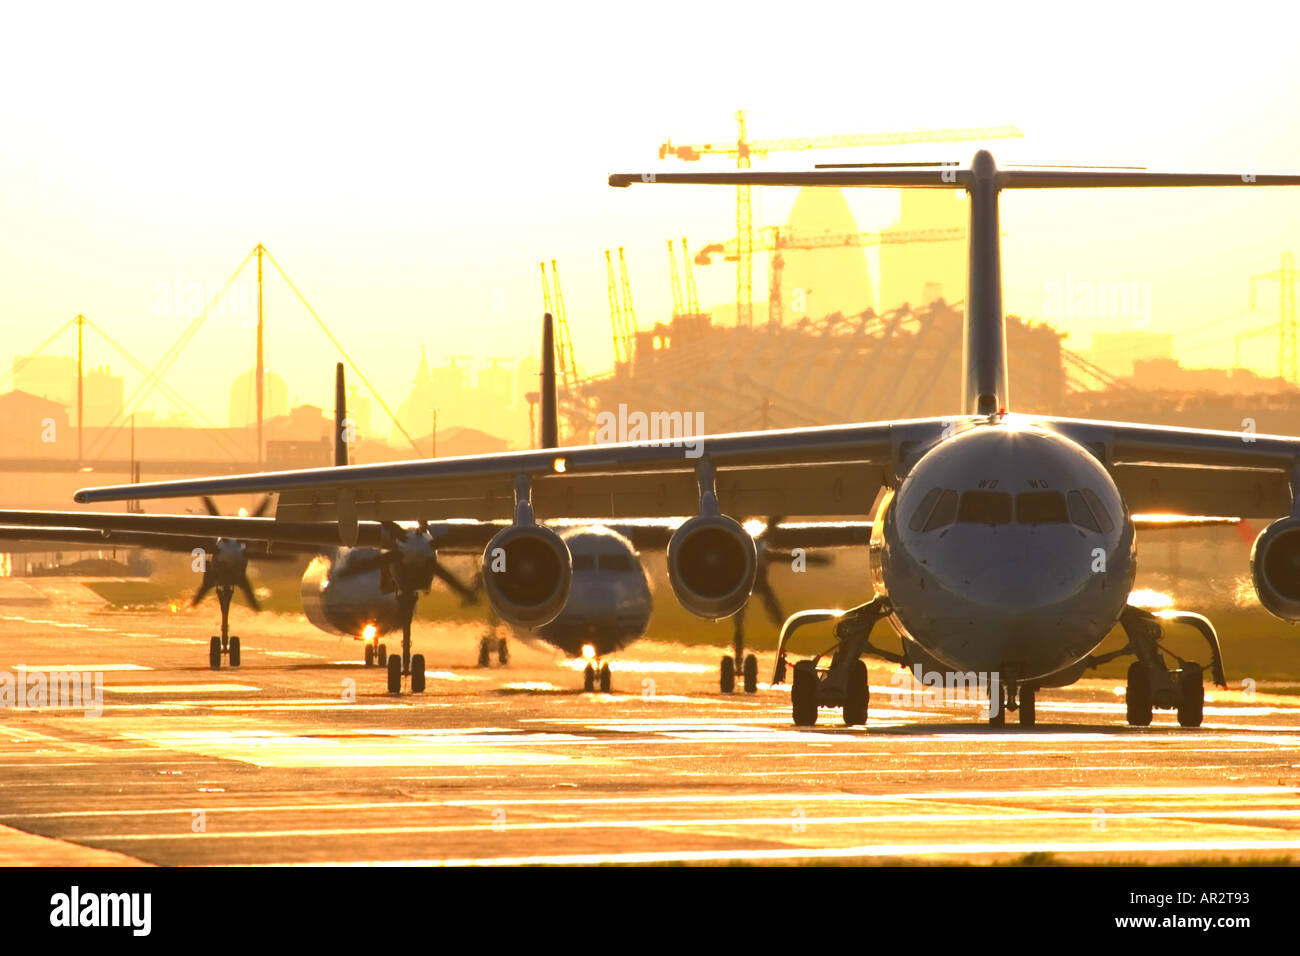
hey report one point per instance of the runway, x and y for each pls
(301, 757)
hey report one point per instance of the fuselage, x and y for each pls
(609, 601)
(1006, 549)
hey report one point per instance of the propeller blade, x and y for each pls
(211, 506)
(468, 595)
(246, 586)
(262, 505)
(205, 585)
(770, 602)
(395, 530)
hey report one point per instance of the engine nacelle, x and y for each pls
(527, 572)
(712, 561)
(1275, 566)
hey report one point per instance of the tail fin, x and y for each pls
(550, 416)
(341, 423)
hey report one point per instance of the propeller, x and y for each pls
(409, 558)
(227, 562)
(768, 555)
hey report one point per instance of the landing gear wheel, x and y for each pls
(234, 652)
(394, 675)
(727, 680)
(503, 653)
(589, 679)
(1027, 715)
(484, 652)
(1191, 696)
(604, 678)
(1000, 718)
(381, 655)
(803, 694)
(214, 653)
(370, 655)
(417, 674)
(857, 695)
(751, 674)
(1137, 695)
(779, 678)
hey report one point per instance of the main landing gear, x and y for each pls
(593, 675)
(225, 645)
(487, 644)
(738, 663)
(843, 683)
(1151, 683)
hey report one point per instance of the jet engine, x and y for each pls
(527, 572)
(1275, 566)
(712, 562)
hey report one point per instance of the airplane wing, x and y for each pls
(831, 470)
(18, 539)
(825, 470)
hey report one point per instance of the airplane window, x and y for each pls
(615, 562)
(985, 507)
(1041, 507)
(1080, 513)
(944, 512)
(1099, 509)
(923, 509)
(584, 562)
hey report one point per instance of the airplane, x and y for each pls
(370, 591)
(1002, 543)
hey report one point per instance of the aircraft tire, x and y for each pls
(214, 653)
(1137, 695)
(751, 674)
(1191, 696)
(727, 675)
(604, 679)
(503, 653)
(381, 655)
(857, 695)
(589, 679)
(803, 694)
(394, 675)
(1028, 714)
(370, 655)
(417, 674)
(234, 652)
(484, 653)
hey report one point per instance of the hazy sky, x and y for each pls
(409, 166)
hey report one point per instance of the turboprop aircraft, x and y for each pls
(1003, 543)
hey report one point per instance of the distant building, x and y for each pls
(1116, 352)
(54, 377)
(243, 398)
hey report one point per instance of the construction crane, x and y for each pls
(674, 278)
(744, 149)
(692, 297)
(773, 239)
(628, 329)
(563, 341)
(1286, 317)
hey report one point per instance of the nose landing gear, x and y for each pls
(591, 676)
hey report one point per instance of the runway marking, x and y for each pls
(178, 688)
(85, 667)
(797, 797)
(1018, 815)
(897, 850)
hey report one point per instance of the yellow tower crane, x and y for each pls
(563, 341)
(774, 239)
(744, 149)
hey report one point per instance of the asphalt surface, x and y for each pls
(301, 757)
